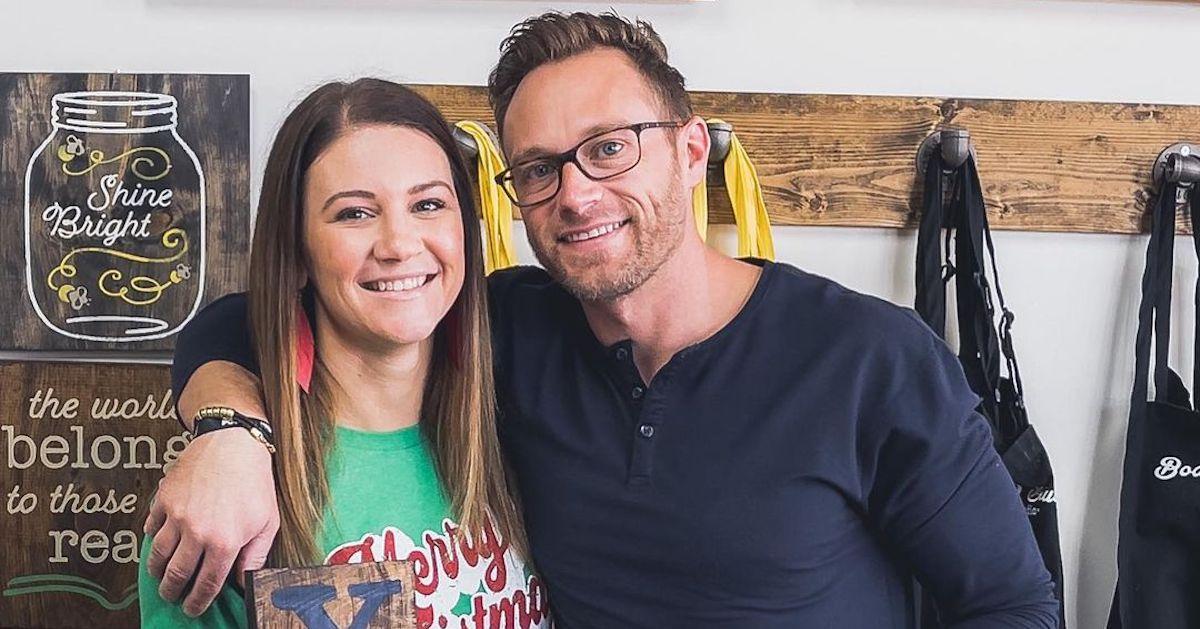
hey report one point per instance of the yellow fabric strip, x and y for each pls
(494, 206)
(749, 209)
(700, 207)
(745, 196)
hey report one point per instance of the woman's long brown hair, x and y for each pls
(458, 415)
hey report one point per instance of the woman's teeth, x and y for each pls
(408, 283)
(595, 233)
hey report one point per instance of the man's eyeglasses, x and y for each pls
(601, 156)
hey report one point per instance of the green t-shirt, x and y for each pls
(386, 504)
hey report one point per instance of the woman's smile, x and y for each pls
(401, 287)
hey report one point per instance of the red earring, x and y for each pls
(305, 348)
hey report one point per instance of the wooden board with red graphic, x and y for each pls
(375, 595)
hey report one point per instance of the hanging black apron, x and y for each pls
(982, 347)
(1158, 556)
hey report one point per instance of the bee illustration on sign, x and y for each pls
(114, 219)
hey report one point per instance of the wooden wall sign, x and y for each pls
(850, 160)
(127, 202)
(83, 447)
(375, 595)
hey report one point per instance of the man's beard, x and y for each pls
(651, 249)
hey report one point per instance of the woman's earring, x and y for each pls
(305, 347)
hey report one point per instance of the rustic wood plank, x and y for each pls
(131, 284)
(69, 435)
(375, 595)
(848, 160)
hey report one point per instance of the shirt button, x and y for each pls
(622, 353)
(638, 392)
(647, 430)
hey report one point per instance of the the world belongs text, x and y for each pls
(75, 458)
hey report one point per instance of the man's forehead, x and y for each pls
(560, 103)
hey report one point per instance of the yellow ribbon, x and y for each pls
(494, 206)
(700, 207)
(746, 199)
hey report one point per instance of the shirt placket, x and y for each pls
(646, 406)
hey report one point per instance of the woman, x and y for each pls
(390, 451)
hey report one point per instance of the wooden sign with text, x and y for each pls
(126, 203)
(82, 447)
(376, 595)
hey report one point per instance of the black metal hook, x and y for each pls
(466, 143)
(955, 146)
(1180, 164)
(720, 139)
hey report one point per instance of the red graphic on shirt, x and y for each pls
(440, 562)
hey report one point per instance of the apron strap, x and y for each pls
(963, 223)
(1016, 392)
(1193, 212)
(933, 270)
(1155, 307)
(1154, 315)
(979, 350)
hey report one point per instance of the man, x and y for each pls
(698, 441)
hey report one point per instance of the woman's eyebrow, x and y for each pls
(348, 193)
(422, 187)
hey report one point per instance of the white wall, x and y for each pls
(1075, 295)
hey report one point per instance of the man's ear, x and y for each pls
(696, 148)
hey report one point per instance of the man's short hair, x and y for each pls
(555, 36)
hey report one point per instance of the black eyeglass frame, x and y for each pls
(571, 155)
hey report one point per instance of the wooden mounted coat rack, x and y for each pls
(849, 160)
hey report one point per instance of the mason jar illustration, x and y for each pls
(114, 219)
